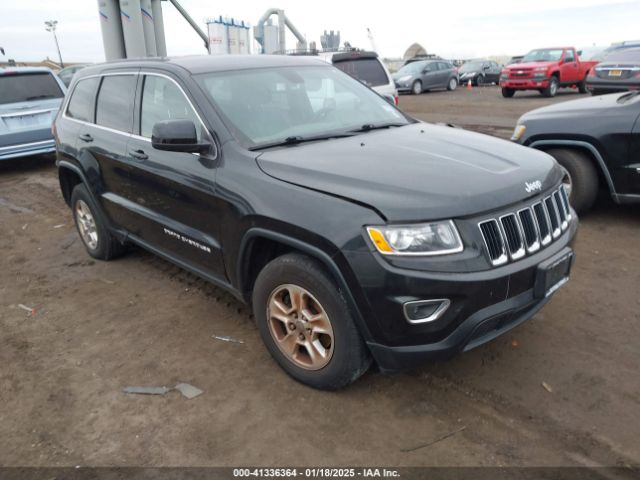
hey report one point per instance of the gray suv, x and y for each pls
(417, 77)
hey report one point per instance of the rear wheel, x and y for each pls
(306, 324)
(552, 88)
(453, 84)
(416, 88)
(508, 92)
(92, 227)
(583, 177)
(582, 86)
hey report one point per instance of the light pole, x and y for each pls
(50, 26)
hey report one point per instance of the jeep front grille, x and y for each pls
(516, 234)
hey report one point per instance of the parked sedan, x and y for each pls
(480, 71)
(29, 101)
(619, 72)
(418, 77)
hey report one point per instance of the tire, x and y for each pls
(453, 84)
(345, 357)
(582, 86)
(583, 175)
(92, 227)
(479, 80)
(552, 88)
(508, 92)
(416, 88)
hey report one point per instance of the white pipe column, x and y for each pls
(158, 23)
(111, 26)
(148, 27)
(132, 28)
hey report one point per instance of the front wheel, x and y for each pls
(479, 80)
(508, 92)
(583, 177)
(552, 88)
(453, 84)
(306, 324)
(416, 88)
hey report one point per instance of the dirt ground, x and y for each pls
(98, 327)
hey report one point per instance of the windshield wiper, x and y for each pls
(38, 97)
(296, 139)
(367, 127)
(627, 96)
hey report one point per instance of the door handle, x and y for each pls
(138, 154)
(85, 137)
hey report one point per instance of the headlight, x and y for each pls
(435, 238)
(406, 78)
(518, 132)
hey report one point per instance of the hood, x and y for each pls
(517, 66)
(584, 107)
(417, 172)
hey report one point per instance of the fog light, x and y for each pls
(423, 311)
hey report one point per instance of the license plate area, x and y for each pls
(615, 73)
(553, 273)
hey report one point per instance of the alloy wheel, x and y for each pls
(86, 225)
(300, 327)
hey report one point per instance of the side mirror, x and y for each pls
(390, 99)
(579, 52)
(177, 136)
(486, 67)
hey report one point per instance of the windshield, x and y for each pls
(543, 55)
(268, 105)
(412, 68)
(367, 70)
(23, 87)
(471, 67)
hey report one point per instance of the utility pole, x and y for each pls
(50, 26)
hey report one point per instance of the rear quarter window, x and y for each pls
(26, 87)
(368, 70)
(83, 100)
(114, 108)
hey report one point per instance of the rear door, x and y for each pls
(102, 144)
(445, 72)
(173, 191)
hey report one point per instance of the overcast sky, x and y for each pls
(453, 29)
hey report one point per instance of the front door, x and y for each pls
(173, 192)
(569, 68)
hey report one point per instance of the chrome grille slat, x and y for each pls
(515, 234)
(529, 229)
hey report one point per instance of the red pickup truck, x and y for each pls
(546, 70)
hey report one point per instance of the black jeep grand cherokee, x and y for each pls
(355, 232)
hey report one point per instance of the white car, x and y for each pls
(366, 67)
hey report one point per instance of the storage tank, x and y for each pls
(234, 38)
(218, 36)
(132, 28)
(111, 27)
(148, 27)
(158, 28)
(245, 39)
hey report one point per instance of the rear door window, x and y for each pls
(368, 70)
(115, 102)
(26, 87)
(83, 100)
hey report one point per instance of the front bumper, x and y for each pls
(525, 83)
(484, 304)
(27, 149)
